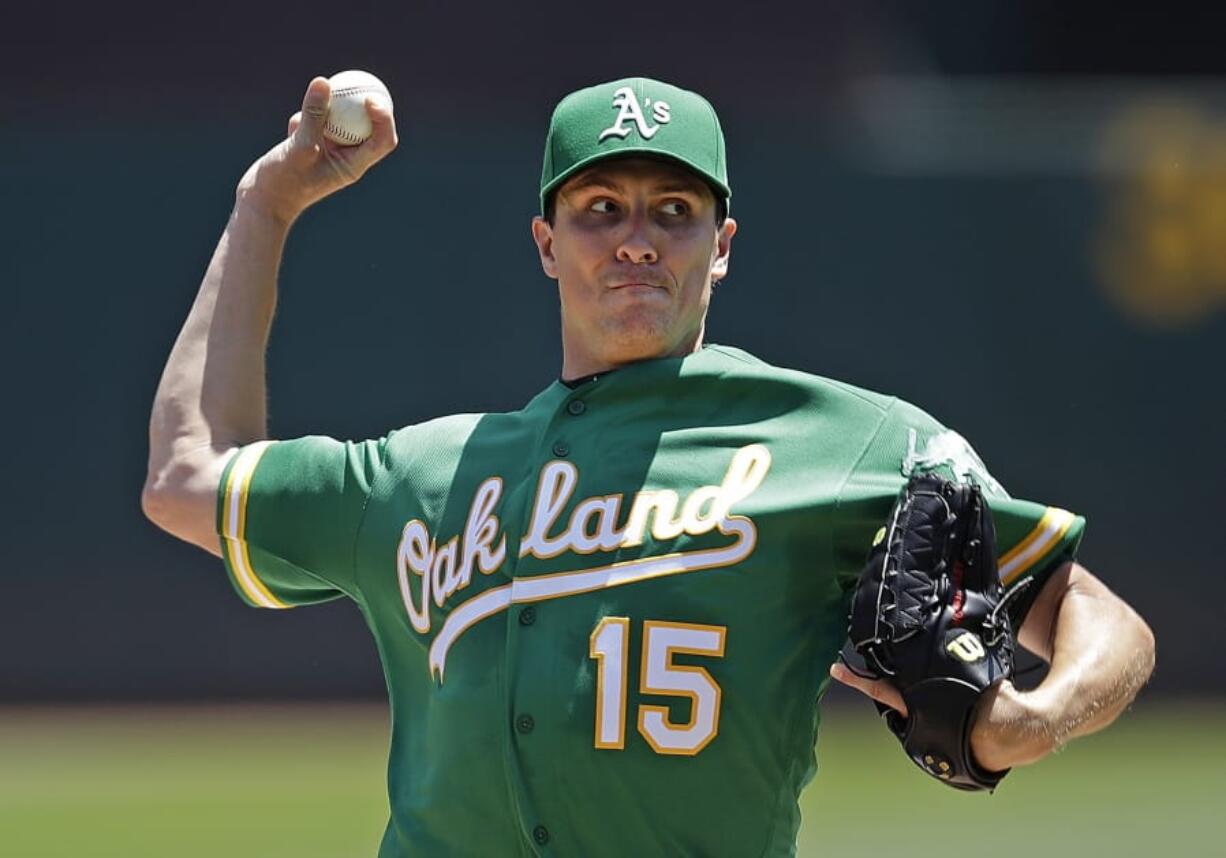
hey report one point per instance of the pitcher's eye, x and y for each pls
(676, 208)
(602, 206)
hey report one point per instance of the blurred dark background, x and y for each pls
(1011, 214)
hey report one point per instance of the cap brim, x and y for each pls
(721, 190)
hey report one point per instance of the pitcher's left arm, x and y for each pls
(1100, 650)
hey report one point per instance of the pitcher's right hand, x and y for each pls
(305, 167)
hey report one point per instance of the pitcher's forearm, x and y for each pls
(212, 392)
(1103, 652)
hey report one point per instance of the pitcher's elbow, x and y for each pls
(180, 497)
(155, 504)
(1148, 647)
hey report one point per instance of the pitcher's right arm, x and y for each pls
(211, 398)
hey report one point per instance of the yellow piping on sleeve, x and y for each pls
(234, 526)
(1045, 536)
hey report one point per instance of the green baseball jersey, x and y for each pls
(606, 619)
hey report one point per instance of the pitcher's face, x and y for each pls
(635, 248)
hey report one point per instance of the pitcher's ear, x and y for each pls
(542, 234)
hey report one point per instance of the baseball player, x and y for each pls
(605, 619)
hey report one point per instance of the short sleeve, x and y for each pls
(288, 514)
(1032, 539)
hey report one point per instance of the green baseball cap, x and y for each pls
(634, 116)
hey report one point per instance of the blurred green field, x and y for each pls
(307, 782)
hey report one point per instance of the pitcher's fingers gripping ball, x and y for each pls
(928, 617)
(348, 122)
(361, 112)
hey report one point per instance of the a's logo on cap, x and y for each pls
(628, 108)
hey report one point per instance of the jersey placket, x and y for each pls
(536, 695)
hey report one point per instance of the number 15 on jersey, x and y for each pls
(609, 645)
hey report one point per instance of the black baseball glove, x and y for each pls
(928, 616)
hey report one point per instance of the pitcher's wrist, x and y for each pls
(1011, 728)
(251, 201)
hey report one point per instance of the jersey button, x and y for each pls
(525, 724)
(540, 834)
(576, 407)
(561, 450)
(527, 616)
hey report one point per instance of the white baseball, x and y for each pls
(348, 123)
